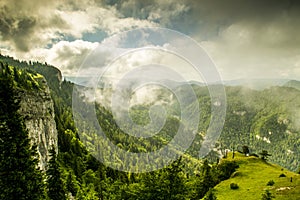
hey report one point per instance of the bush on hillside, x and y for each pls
(270, 183)
(282, 175)
(234, 186)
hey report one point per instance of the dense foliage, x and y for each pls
(56, 186)
(20, 177)
(78, 174)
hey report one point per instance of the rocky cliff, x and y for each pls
(38, 111)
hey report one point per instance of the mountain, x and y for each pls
(254, 176)
(256, 84)
(37, 110)
(23, 142)
(262, 120)
(293, 84)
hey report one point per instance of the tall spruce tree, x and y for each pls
(167, 183)
(56, 187)
(19, 176)
(205, 181)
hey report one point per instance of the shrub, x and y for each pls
(226, 168)
(270, 183)
(282, 175)
(234, 186)
(267, 195)
(264, 155)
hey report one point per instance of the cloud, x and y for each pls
(21, 22)
(33, 24)
(94, 18)
(205, 19)
(38, 30)
(164, 13)
(18, 28)
(246, 39)
(254, 50)
(119, 55)
(68, 56)
(242, 36)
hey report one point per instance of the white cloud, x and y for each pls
(92, 18)
(246, 50)
(78, 21)
(68, 56)
(65, 20)
(246, 40)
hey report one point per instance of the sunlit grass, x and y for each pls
(252, 178)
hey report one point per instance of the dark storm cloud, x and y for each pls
(36, 23)
(16, 28)
(240, 35)
(21, 21)
(225, 13)
(208, 17)
(257, 38)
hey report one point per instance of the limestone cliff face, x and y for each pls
(38, 111)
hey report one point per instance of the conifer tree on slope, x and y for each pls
(19, 177)
(56, 187)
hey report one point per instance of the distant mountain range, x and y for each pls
(293, 84)
(255, 84)
(265, 119)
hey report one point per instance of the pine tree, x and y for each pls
(19, 176)
(204, 181)
(167, 183)
(176, 185)
(56, 187)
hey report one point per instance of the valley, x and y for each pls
(261, 120)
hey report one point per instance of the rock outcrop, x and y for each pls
(38, 111)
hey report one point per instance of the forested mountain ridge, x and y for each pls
(260, 119)
(75, 174)
(83, 177)
(264, 120)
(293, 84)
(20, 176)
(36, 107)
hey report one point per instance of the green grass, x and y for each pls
(252, 177)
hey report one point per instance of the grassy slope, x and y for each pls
(252, 178)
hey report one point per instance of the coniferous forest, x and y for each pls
(256, 156)
(149, 100)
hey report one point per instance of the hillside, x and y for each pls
(252, 177)
(36, 107)
(256, 84)
(293, 84)
(250, 114)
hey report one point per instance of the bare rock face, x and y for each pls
(38, 111)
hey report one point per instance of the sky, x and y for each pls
(246, 39)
